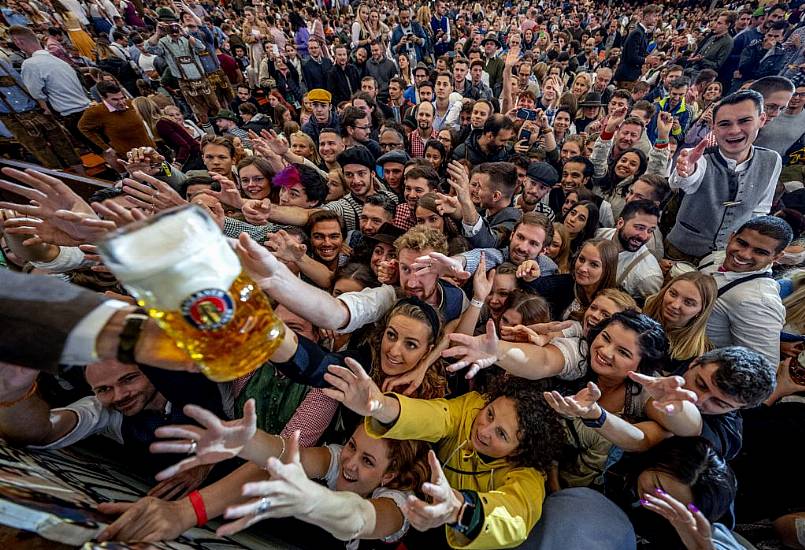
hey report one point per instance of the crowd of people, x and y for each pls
(539, 265)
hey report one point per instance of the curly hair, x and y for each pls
(742, 373)
(540, 430)
(420, 238)
(408, 458)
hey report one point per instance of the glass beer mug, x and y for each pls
(180, 268)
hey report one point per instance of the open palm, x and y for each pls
(216, 439)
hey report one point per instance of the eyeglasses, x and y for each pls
(390, 145)
(367, 127)
(254, 179)
(799, 94)
(773, 108)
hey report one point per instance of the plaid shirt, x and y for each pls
(350, 209)
(417, 149)
(404, 217)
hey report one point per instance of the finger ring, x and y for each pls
(193, 446)
(156, 196)
(263, 505)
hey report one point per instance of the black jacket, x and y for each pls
(342, 83)
(633, 56)
(315, 74)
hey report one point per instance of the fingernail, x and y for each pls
(643, 501)
(692, 508)
(659, 491)
(669, 408)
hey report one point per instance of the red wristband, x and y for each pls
(198, 508)
(606, 136)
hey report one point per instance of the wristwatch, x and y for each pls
(465, 515)
(129, 336)
(597, 422)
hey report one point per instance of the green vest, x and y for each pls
(276, 397)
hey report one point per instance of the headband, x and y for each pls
(430, 313)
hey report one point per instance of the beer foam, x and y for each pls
(164, 262)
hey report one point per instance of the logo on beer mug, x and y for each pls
(208, 309)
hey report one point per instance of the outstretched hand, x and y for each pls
(353, 387)
(667, 392)
(686, 162)
(441, 265)
(582, 405)
(289, 493)
(215, 439)
(475, 352)
(445, 502)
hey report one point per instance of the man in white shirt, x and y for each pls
(749, 311)
(639, 273)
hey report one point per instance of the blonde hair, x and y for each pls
(149, 112)
(620, 298)
(562, 259)
(691, 340)
(314, 156)
(420, 238)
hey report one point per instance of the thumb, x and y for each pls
(698, 151)
(436, 475)
(292, 450)
(490, 329)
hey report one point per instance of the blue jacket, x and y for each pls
(422, 50)
(681, 113)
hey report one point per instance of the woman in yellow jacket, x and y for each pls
(487, 473)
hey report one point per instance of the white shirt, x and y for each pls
(691, 183)
(750, 314)
(645, 278)
(371, 304)
(79, 348)
(93, 418)
(399, 497)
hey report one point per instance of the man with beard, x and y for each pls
(540, 179)
(424, 129)
(529, 238)
(489, 145)
(343, 78)
(726, 185)
(639, 273)
(126, 407)
(749, 311)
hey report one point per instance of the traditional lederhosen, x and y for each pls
(38, 132)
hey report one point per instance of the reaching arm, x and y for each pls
(27, 420)
(307, 301)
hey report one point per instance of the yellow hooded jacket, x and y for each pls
(511, 495)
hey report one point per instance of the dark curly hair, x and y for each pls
(540, 431)
(653, 348)
(742, 373)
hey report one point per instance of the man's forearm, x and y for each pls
(29, 422)
(305, 300)
(289, 215)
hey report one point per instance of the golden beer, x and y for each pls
(180, 268)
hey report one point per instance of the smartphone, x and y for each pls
(525, 135)
(526, 114)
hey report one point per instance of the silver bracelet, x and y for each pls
(476, 303)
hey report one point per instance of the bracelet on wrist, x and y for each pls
(198, 507)
(282, 452)
(477, 303)
(31, 391)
